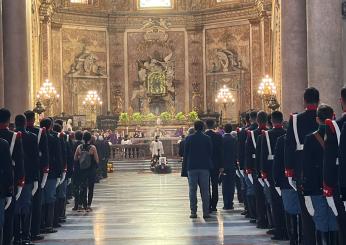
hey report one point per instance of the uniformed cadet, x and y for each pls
(54, 176)
(342, 169)
(76, 173)
(332, 174)
(248, 169)
(16, 150)
(252, 151)
(266, 163)
(312, 182)
(241, 138)
(301, 125)
(22, 213)
(42, 142)
(6, 182)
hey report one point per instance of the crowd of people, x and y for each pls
(41, 168)
(292, 176)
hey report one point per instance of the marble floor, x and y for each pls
(142, 208)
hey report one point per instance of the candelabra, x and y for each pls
(91, 103)
(267, 92)
(47, 96)
(224, 97)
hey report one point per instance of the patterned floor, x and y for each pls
(147, 209)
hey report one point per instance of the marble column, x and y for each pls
(46, 10)
(324, 33)
(294, 59)
(266, 36)
(256, 62)
(16, 76)
(1, 61)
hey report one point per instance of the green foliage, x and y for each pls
(124, 118)
(180, 116)
(137, 117)
(192, 116)
(166, 116)
(150, 117)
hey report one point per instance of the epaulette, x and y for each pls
(44, 130)
(248, 132)
(238, 129)
(46, 170)
(19, 135)
(21, 182)
(263, 132)
(62, 135)
(330, 124)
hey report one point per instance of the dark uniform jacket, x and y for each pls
(217, 157)
(56, 165)
(43, 149)
(31, 156)
(198, 152)
(69, 154)
(306, 124)
(266, 162)
(6, 170)
(279, 177)
(76, 167)
(229, 153)
(250, 150)
(312, 169)
(241, 139)
(331, 161)
(342, 160)
(17, 155)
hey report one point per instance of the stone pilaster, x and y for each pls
(324, 35)
(16, 75)
(266, 43)
(1, 61)
(294, 59)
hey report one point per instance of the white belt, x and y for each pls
(300, 147)
(254, 156)
(270, 157)
(337, 162)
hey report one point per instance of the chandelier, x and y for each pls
(47, 95)
(224, 96)
(267, 91)
(92, 99)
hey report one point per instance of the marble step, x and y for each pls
(139, 165)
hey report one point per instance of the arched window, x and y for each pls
(155, 4)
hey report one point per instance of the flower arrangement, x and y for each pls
(192, 116)
(124, 118)
(137, 117)
(150, 117)
(166, 116)
(180, 117)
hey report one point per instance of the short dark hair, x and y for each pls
(30, 115)
(210, 123)
(199, 125)
(228, 128)
(20, 121)
(325, 112)
(311, 96)
(78, 135)
(5, 115)
(57, 128)
(46, 123)
(262, 117)
(253, 115)
(60, 122)
(86, 136)
(277, 117)
(247, 117)
(343, 94)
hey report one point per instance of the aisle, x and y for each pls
(146, 209)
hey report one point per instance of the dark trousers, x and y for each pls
(260, 205)
(238, 185)
(36, 212)
(228, 188)
(341, 218)
(91, 185)
(308, 226)
(214, 193)
(76, 183)
(294, 228)
(278, 212)
(9, 223)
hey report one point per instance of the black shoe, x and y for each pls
(50, 230)
(17, 242)
(244, 213)
(279, 238)
(56, 225)
(193, 216)
(27, 242)
(260, 226)
(253, 221)
(213, 210)
(207, 216)
(37, 238)
(271, 232)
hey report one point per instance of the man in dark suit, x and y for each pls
(198, 154)
(230, 164)
(217, 160)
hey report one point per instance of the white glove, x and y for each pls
(250, 178)
(69, 181)
(63, 177)
(267, 182)
(278, 190)
(35, 188)
(260, 180)
(345, 205)
(44, 180)
(292, 183)
(57, 182)
(238, 173)
(19, 192)
(242, 172)
(331, 204)
(8, 202)
(309, 206)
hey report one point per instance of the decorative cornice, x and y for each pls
(46, 10)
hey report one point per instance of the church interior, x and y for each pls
(143, 68)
